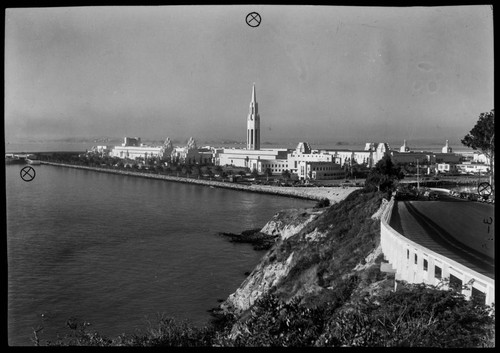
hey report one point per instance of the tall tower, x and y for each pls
(446, 148)
(253, 124)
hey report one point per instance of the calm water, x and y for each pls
(114, 250)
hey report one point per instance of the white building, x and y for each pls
(253, 157)
(274, 158)
(446, 168)
(132, 148)
(188, 154)
(372, 153)
(446, 148)
(319, 171)
(480, 158)
(473, 168)
(102, 150)
(304, 153)
(404, 148)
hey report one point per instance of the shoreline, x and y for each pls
(333, 194)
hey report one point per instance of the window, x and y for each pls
(478, 296)
(407, 254)
(455, 283)
(416, 258)
(425, 265)
(437, 272)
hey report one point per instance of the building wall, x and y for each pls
(411, 157)
(295, 158)
(319, 170)
(446, 168)
(372, 153)
(416, 264)
(447, 158)
(249, 158)
(133, 152)
(277, 166)
(472, 168)
(480, 158)
(131, 141)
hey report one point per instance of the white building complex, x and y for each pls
(253, 157)
(132, 148)
(305, 162)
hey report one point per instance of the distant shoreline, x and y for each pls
(333, 194)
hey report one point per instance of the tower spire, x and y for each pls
(253, 123)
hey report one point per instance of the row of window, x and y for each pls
(278, 165)
(322, 168)
(455, 282)
(425, 265)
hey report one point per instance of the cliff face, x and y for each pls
(269, 271)
(315, 249)
(289, 222)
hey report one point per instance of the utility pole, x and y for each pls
(418, 180)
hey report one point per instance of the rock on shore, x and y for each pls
(259, 240)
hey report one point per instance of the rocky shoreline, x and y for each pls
(259, 240)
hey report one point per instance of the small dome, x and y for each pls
(303, 147)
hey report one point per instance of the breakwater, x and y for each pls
(309, 193)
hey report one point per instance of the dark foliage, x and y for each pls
(322, 203)
(383, 175)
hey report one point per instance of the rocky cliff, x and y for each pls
(315, 250)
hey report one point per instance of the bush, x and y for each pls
(322, 203)
(415, 316)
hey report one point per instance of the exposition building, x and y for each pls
(305, 162)
(132, 148)
(253, 157)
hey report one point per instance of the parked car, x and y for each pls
(431, 195)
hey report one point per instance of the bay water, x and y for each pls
(116, 251)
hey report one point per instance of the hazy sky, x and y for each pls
(321, 72)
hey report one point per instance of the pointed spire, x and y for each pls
(253, 93)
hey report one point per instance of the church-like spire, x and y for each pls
(254, 108)
(253, 123)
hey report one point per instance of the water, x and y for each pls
(115, 250)
(415, 145)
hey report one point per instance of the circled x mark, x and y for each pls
(28, 173)
(484, 189)
(253, 19)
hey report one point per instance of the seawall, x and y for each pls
(334, 194)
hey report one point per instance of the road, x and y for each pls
(459, 229)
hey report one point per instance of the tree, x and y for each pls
(268, 172)
(482, 138)
(286, 174)
(383, 174)
(255, 173)
(218, 169)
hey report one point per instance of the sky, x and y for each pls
(322, 73)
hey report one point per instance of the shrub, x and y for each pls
(414, 316)
(322, 203)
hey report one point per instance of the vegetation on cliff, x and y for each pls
(329, 292)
